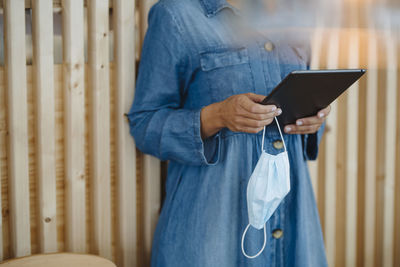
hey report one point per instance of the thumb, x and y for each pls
(256, 98)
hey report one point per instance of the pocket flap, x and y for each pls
(223, 58)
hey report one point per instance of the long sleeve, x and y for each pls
(158, 122)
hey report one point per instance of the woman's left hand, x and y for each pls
(308, 125)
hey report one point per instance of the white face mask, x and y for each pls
(268, 185)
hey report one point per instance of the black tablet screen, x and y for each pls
(303, 93)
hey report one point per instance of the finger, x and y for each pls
(310, 121)
(295, 129)
(250, 106)
(324, 112)
(261, 116)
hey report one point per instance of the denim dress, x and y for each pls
(192, 57)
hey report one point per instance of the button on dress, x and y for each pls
(192, 57)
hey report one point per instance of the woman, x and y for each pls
(197, 105)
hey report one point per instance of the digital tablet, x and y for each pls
(303, 93)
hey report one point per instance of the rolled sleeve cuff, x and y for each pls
(207, 150)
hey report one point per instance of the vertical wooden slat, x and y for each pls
(60, 153)
(152, 199)
(361, 140)
(1, 175)
(15, 63)
(124, 56)
(43, 61)
(341, 161)
(74, 124)
(372, 82)
(380, 153)
(330, 171)
(396, 246)
(351, 154)
(390, 150)
(3, 129)
(100, 126)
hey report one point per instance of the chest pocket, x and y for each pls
(227, 71)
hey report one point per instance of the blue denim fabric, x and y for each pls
(192, 57)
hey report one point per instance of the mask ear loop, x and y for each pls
(262, 142)
(263, 246)
(280, 132)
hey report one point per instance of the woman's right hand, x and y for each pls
(238, 113)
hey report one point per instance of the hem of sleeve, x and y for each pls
(211, 144)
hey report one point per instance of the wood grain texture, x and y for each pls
(99, 87)
(361, 164)
(396, 235)
(124, 57)
(56, 3)
(330, 171)
(341, 160)
(2, 145)
(372, 87)
(43, 62)
(59, 260)
(351, 150)
(74, 125)
(390, 149)
(18, 168)
(380, 174)
(152, 201)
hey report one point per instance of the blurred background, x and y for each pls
(71, 179)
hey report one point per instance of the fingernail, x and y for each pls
(274, 108)
(279, 111)
(321, 115)
(299, 123)
(288, 129)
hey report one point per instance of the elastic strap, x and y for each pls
(262, 142)
(280, 132)
(263, 246)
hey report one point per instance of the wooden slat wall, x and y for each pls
(358, 201)
(17, 123)
(77, 183)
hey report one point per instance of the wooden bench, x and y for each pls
(58, 260)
